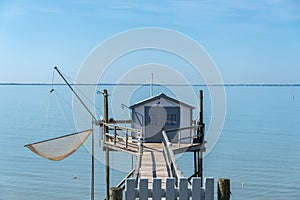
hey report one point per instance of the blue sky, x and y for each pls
(250, 41)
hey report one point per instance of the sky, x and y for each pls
(250, 41)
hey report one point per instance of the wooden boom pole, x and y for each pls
(94, 119)
(105, 94)
(87, 109)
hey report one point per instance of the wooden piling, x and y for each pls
(115, 193)
(200, 154)
(105, 117)
(93, 164)
(105, 138)
(223, 189)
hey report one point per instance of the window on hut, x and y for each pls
(171, 119)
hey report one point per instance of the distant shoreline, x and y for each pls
(148, 84)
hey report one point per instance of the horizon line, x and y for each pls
(155, 84)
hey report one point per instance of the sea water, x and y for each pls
(258, 149)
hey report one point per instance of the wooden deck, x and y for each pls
(154, 160)
(153, 164)
(132, 146)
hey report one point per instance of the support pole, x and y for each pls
(201, 118)
(93, 165)
(115, 193)
(200, 154)
(195, 163)
(223, 189)
(107, 173)
(105, 132)
(105, 117)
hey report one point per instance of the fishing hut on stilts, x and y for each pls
(161, 128)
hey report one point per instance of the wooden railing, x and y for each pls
(171, 191)
(172, 166)
(193, 133)
(138, 161)
(120, 133)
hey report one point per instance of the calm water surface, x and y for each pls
(258, 150)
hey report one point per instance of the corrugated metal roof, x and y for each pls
(161, 95)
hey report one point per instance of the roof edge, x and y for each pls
(160, 96)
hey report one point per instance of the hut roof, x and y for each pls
(161, 95)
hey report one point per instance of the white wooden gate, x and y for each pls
(170, 192)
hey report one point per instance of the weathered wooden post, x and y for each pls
(105, 138)
(200, 157)
(224, 189)
(115, 193)
(93, 163)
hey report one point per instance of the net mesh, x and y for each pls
(60, 147)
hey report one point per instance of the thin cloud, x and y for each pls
(272, 11)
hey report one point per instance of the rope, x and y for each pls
(80, 92)
(46, 115)
(61, 103)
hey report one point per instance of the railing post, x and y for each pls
(179, 137)
(126, 139)
(140, 144)
(115, 135)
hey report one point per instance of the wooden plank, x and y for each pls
(183, 189)
(156, 189)
(132, 148)
(153, 163)
(170, 189)
(196, 188)
(143, 194)
(130, 189)
(187, 148)
(209, 189)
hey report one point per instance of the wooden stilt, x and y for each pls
(93, 165)
(195, 163)
(199, 164)
(223, 189)
(107, 173)
(105, 132)
(115, 193)
(200, 154)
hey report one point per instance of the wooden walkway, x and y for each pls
(153, 164)
(154, 160)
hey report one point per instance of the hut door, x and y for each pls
(172, 122)
(159, 118)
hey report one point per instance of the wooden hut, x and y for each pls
(159, 113)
